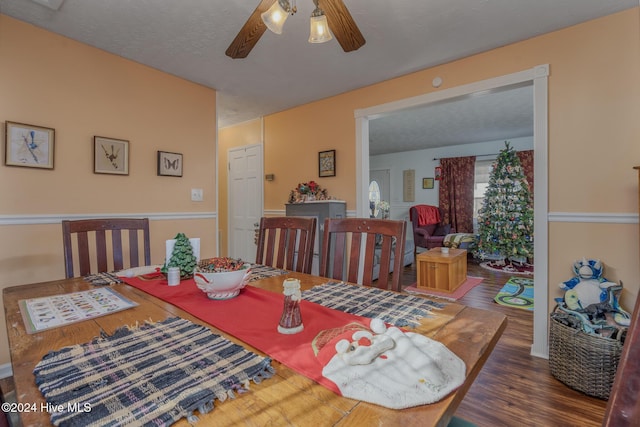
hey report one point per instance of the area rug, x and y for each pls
(517, 293)
(508, 267)
(151, 375)
(468, 284)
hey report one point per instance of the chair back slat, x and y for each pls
(116, 240)
(338, 254)
(352, 247)
(108, 252)
(304, 242)
(83, 254)
(283, 254)
(101, 251)
(287, 242)
(133, 246)
(271, 243)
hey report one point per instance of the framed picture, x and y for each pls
(169, 164)
(327, 163)
(427, 183)
(110, 156)
(438, 173)
(29, 145)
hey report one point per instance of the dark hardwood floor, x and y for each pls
(515, 388)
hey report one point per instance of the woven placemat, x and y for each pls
(397, 309)
(153, 374)
(259, 271)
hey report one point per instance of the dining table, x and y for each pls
(288, 398)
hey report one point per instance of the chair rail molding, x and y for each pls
(57, 218)
(282, 212)
(594, 217)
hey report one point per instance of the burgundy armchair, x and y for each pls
(427, 235)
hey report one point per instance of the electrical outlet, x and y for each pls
(196, 195)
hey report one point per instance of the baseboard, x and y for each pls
(6, 371)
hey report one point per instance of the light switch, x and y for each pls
(196, 195)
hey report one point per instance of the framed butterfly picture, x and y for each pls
(169, 164)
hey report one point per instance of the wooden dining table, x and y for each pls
(287, 398)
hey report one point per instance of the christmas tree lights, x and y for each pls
(505, 221)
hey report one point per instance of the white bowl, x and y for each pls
(223, 285)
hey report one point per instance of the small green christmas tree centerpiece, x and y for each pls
(182, 257)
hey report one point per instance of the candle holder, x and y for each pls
(291, 319)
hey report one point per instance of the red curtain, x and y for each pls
(456, 192)
(526, 161)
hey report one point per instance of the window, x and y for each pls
(481, 182)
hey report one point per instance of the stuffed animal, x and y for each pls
(588, 292)
(588, 286)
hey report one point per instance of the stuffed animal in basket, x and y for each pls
(588, 288)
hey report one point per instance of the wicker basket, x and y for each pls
(584, 362)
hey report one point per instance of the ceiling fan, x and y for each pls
(338, 18)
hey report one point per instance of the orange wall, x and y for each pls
(80, 91)
(594, 106)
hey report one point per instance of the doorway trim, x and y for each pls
(538, 76)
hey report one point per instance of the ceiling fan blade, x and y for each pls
(342, 25)
(250, 33)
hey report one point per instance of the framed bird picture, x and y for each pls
(327, 163)
(169, 164)
(110, 156)
(29, 146)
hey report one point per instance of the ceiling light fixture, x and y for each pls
(275, 17)
(277, 14)
(319, 32)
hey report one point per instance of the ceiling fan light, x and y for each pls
(319, 32)
(275, 17)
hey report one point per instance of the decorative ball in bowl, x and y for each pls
(221, 278)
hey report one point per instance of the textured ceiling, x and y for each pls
(466, 120)
(188, 38)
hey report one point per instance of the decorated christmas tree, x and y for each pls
(182, 256)
(505, 221)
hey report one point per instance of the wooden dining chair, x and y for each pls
(353, 246)
(106, 250)
(623, 407)
(287, 242)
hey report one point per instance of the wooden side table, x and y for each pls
(442, 272)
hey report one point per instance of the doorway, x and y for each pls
(538, 76)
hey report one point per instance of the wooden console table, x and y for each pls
(442, 272)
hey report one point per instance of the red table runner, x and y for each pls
(253, 317)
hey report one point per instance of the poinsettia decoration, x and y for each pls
(307, 191)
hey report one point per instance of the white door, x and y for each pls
(245, 198)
